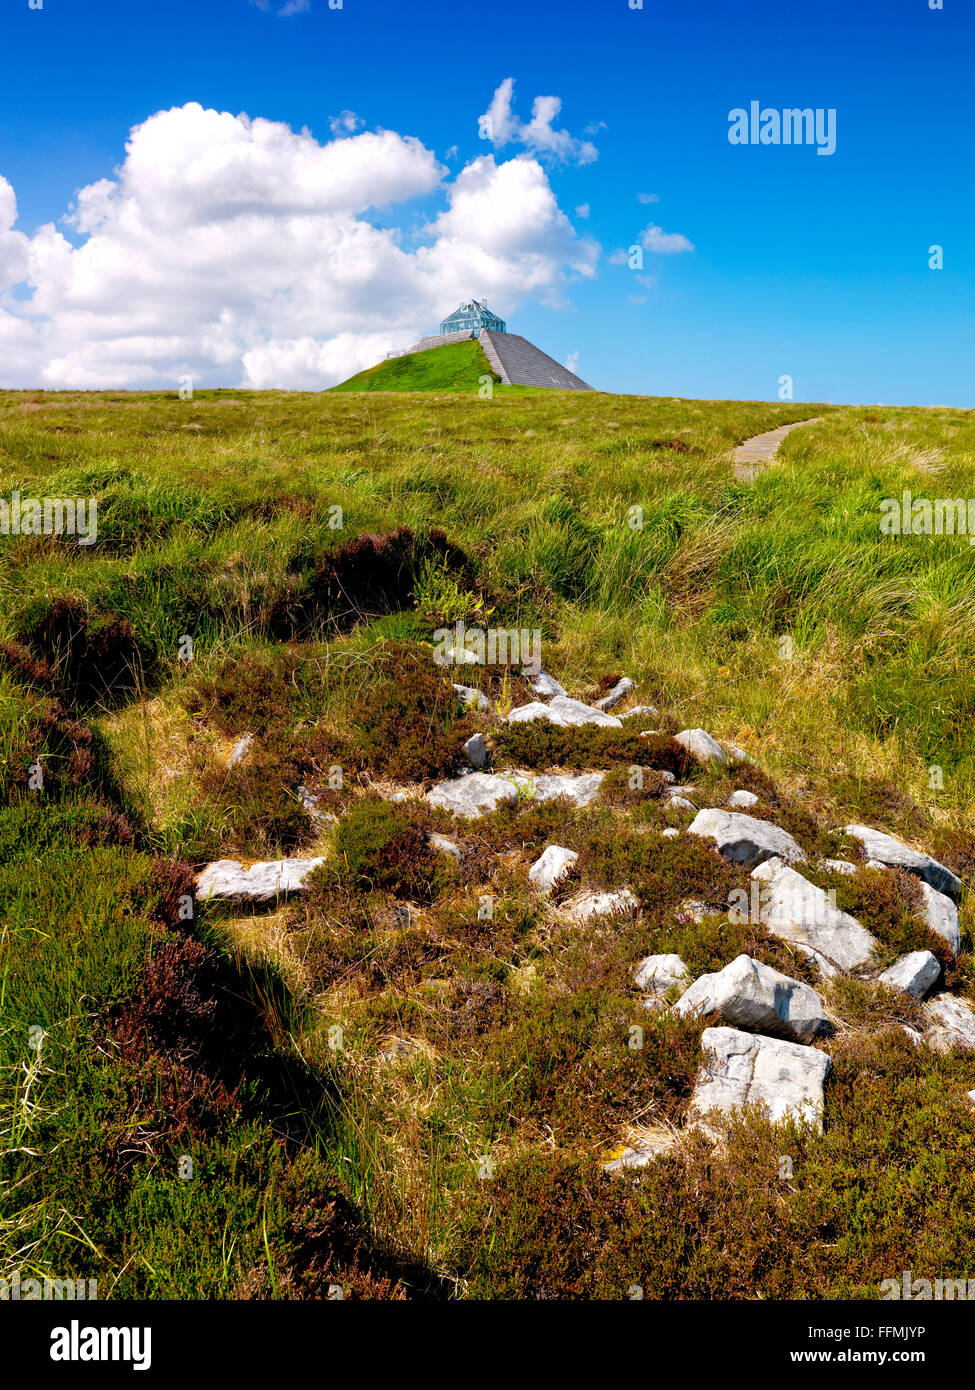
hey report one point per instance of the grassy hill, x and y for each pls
(454, 367)
(377, 1084)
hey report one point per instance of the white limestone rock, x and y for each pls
(753, 996)
(228, 881)
(941, 915)
(642, 712)
(579, 787)
(643, 1154)
(745, 839)
(694, 910)
(742, 798)
(544, 684)
(551, 867)
(825, 967)
(312, 806)
(914, 973)
(473, 795)
(460, 656)
(446, 846)
(896, 855)
(659, 974)
(564, 712)
(951, 1023)
(240, 750)
(619, 692)
(475, 751)
(796, 910)
(744, 1069)
(702, 747)
(589, 905)
(840, 866)
(475, 698)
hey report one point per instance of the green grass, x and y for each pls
(454, 367)
(771, 612)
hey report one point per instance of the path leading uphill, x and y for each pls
(750, 456)
(520, 363)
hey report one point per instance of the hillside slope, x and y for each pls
(406, 1076)
(454, 367)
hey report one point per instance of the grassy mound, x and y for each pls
(454, 367)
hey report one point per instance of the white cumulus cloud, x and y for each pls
(240, 251)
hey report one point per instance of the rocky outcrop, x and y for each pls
(884, 849)
(750, 995)
(745, 839)
(941, 915)
(589, 905)
(702, 747)
(475, 699)
(795, 909)
(745, 1069)
(914, 974)
(478, 793)
(475, 751)
(474, 795)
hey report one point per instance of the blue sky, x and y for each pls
(806, 265)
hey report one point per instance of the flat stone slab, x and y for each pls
(473, 795)
(745, 839)
(589, 905)
(941, 915)
(580, 787)
(227, 879)
(753, 996)
(659, 974)
(896, 855)
(914, 973)
(564, 712)
(478, 793)
(743, 1069)
(951, 1023)
(552, 866)
(796, 910)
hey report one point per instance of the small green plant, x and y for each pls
(441, 599)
